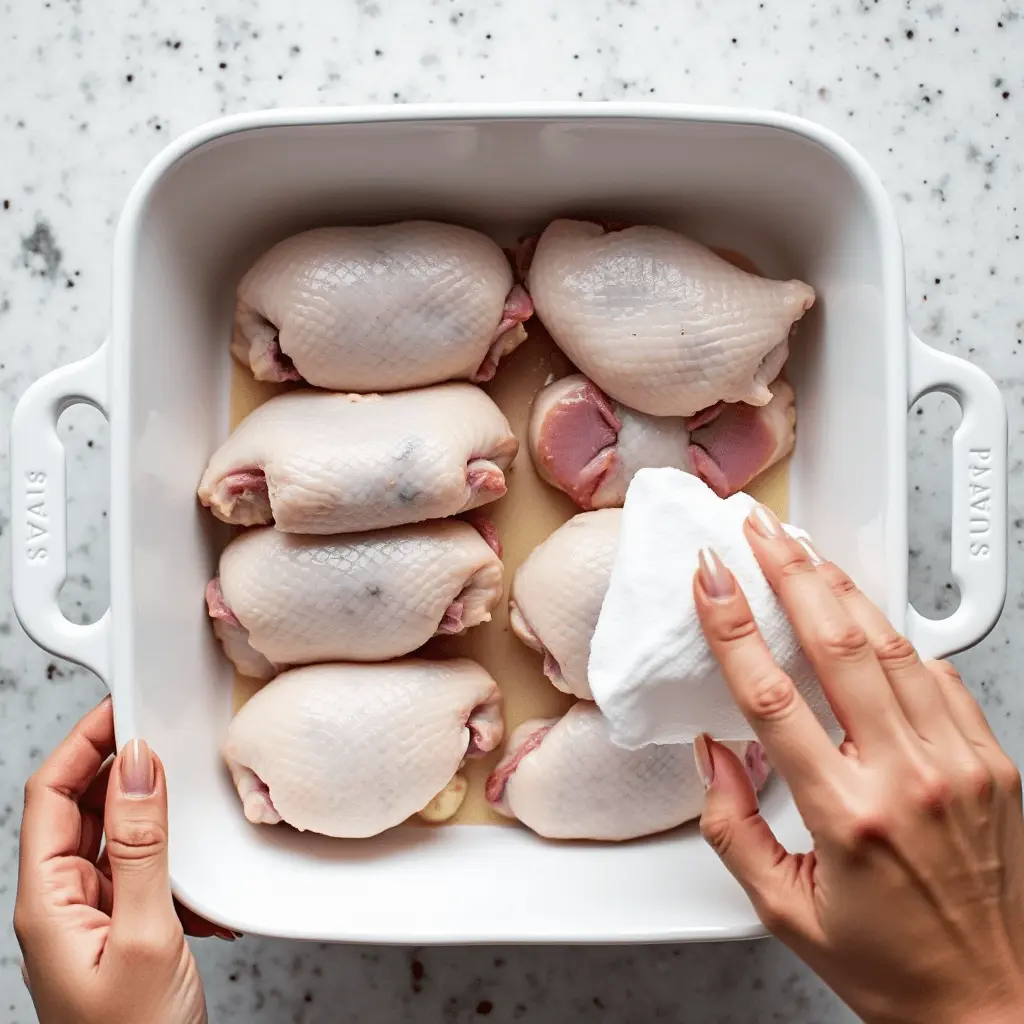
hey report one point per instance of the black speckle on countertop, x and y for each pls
(40, 252)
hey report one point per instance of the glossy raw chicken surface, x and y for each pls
(557, 595)
(565, 779)
(379, 308)
(590, 446)
(351, 750)
(285, 599)
(316, 462)
(660, 322)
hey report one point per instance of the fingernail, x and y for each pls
(765, 522)
(812, 554)
(715, 578)
(226, 936)
(702, 758)
(138, 776)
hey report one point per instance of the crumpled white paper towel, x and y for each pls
(651, 670)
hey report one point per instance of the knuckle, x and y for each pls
(771, 697)
(795, 562)
(856, 826)
(895, 651)
(1006, 776)
(32, 787)
(24, 924)
(717, 832)
(977, 782)
(137, 840)
(735, 627)
(930, 791)
(946, 669)
(842, 640)
(841, 584)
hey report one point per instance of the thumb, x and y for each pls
(136, 825)
(733, 827)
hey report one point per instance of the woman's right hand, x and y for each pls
(911, 905)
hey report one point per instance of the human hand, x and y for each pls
(102, 938)
(911, 905)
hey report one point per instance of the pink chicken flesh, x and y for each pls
(352, 750)
(320, 463)
(557, 595)
(659, 322)
(565, 779)
(379, 308)
(590, 446)
(282, 599)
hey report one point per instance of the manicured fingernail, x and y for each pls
(809, 548)
(715, 578)
(702, 758)
(765, 522)
(226, 935)
(138, 775)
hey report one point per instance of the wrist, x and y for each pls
(1003, 1008)
(1010, 1012)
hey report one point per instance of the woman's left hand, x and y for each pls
(102, 937)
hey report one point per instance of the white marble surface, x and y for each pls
(929, 91)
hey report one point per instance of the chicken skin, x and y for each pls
(557, 595)
(282, 599)
(379, 308)
(321, 463)
(659, 322)
(565, 779)
(352, 750)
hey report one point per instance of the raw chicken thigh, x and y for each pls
(283, 599)
(379, 308)
(557, 594)
(660, 322)
(565, 779)
(352, 750)
(317, 462)
(590, 446)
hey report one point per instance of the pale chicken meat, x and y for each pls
(660, 322)
(557, 595)
(284, 599)
(590, 446)
(379, 308)
(350, 750)
(565, 779)
(318, 462)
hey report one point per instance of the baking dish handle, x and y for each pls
(979, 500)
(39, 512)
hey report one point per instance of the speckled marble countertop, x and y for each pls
(928, 91)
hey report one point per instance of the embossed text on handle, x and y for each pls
(979, 491)
(37, 520)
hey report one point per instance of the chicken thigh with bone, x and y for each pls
(659, 322)
(283, 599)
(557, 595)
(352, 750)
(565, 779)
(317, 462)
(590, 446)
(379, 308)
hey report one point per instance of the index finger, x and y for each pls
(52, 821)
(794, 740)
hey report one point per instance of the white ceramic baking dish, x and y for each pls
(790, 195)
